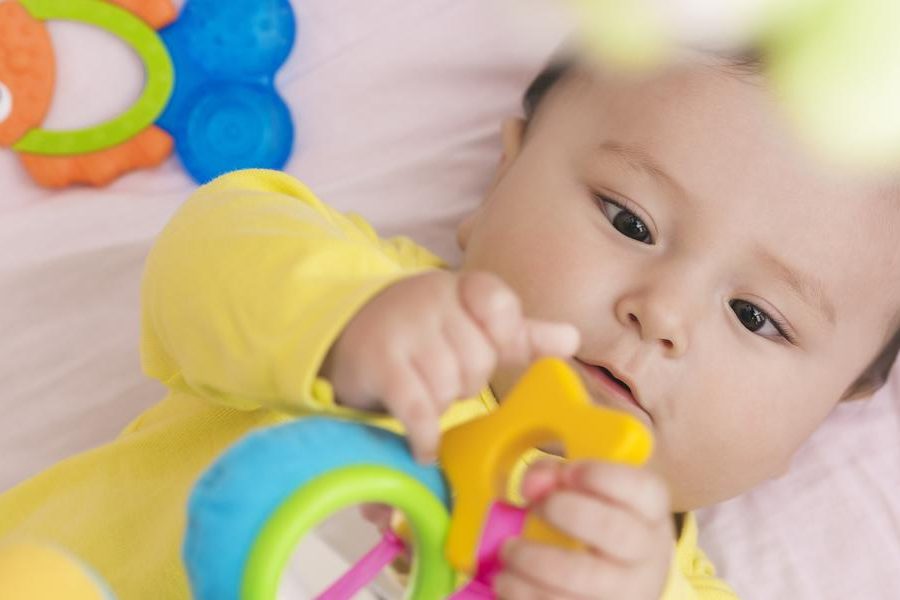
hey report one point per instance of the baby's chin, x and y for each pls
(686, 498)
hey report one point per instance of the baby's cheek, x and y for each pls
(718, 444)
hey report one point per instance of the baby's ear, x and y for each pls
(512, 134)
(464, 229)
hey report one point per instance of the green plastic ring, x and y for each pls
(432, 576)
(144, 112)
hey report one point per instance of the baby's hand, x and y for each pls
(429, 340)
(620, 513)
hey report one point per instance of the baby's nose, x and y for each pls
(656, 320)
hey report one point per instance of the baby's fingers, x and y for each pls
(532, 570)
(548, 338)
(541, 478)
(475, 356)
(639, 491)
(609, 529)
(407, 398)
(498, 312)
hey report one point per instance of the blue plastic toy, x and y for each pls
(225, 113)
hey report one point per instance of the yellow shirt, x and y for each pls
(243, 294)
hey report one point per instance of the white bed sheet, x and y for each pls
(397, 105)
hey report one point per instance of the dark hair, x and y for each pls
(545, 80)
(877, 372)
(747, 63)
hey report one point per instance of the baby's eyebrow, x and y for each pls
(638, 158)
(807, 287)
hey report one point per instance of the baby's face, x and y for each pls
(738, 287)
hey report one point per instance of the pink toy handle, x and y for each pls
(366, 569)
(503, 522)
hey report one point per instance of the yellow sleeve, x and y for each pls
(250, 283)
(692, 576)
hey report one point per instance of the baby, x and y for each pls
(665, 235)
(716, 275)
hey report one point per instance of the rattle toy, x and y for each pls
(248, 512)
(209, 89)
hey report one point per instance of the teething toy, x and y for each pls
(251, 508)
(225, 113)
(209, 88)
(477, 457)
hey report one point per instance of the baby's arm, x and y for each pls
(249, 285)
(254, 279)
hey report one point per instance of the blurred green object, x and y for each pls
(834, 64)
(838, 76)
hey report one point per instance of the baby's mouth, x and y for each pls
(604, 382)
(616, 380)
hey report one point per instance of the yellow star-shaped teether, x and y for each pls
(548, 404)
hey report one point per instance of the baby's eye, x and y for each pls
(626, 222)
(756, 320)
